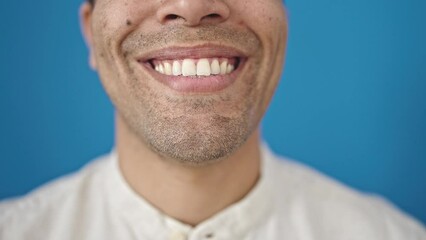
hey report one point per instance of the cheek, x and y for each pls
(120, 15)
(113, 20)
(267, 18)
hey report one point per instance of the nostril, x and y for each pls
(193, 14)
(213, 15)
(171, 17)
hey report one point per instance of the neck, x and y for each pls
(187, 193)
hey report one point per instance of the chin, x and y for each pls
(194, 143)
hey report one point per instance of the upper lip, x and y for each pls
(193, 52)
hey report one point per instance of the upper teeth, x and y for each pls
(195, 67)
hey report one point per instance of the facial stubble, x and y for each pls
(193, 130)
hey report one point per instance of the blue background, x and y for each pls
(352, 102)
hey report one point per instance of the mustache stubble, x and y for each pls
(141, 42)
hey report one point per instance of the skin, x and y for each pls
(189, 154)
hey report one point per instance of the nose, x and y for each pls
(193, 12)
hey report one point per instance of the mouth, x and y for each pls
(200, 69)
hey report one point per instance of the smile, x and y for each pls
(196, 67)
(200, 69)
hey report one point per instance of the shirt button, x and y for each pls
(209, 236)
(178, 236)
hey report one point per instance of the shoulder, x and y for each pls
(50, 204)
(326, 207)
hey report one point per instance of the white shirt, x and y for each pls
(290, 201)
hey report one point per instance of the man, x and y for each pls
(190, 81)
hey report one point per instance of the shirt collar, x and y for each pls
(233, 222)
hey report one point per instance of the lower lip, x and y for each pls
(205, 84)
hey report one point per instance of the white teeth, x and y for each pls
(189, 67)
(167, 68)
(223, 67)
(203, 67)
(230, 68)
(215, 67)
(161, 68)
(176, 68)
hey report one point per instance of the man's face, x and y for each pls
(191, 78)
